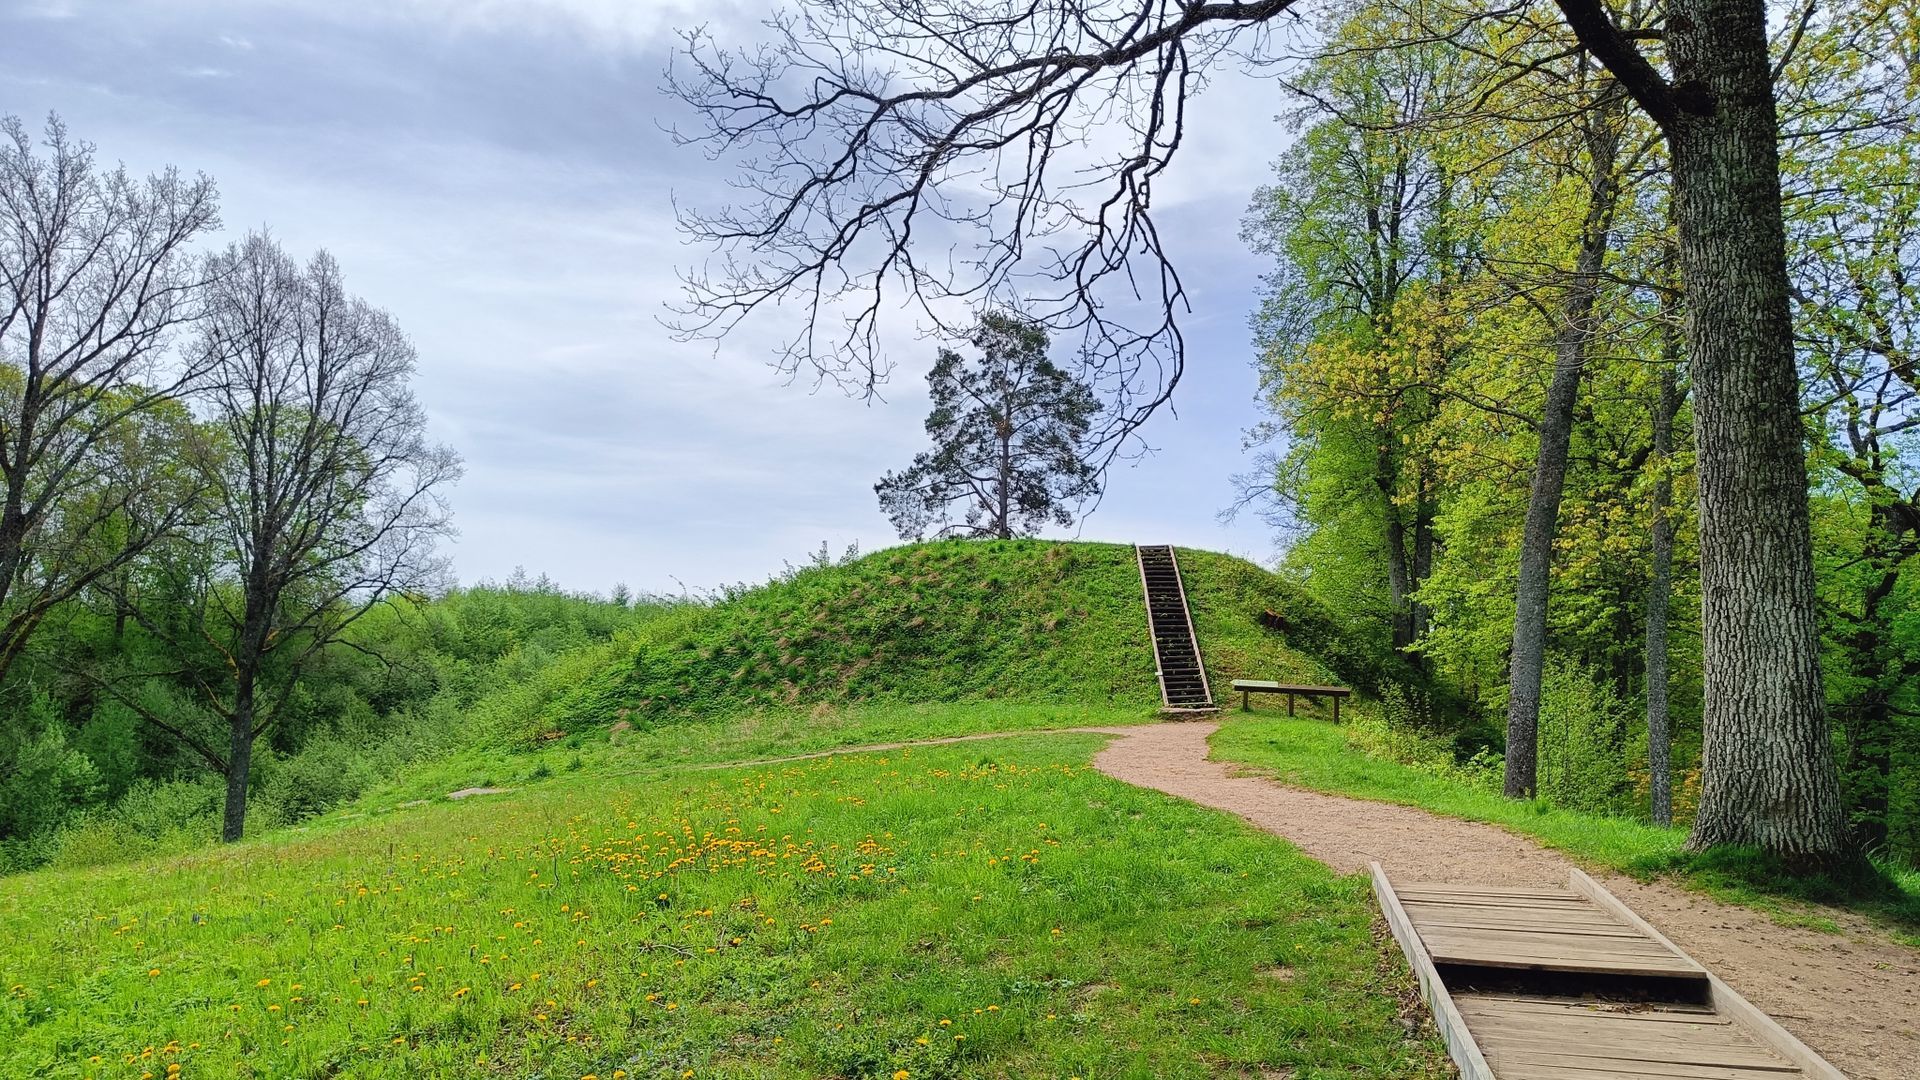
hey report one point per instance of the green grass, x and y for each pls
(1314, 754)
(770, 733)
(984, 909)
(957, 621)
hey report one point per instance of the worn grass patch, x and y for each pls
(984, 909)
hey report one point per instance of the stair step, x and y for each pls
(1183, 679)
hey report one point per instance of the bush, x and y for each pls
(151, 818)
(324, 774)
(47, 779)
(1584, 745)
(1400, 730)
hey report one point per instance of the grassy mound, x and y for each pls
(1031, 621)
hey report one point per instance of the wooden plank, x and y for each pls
(1724, 998)
(1536, 930)
(1571, 1038)
(1453, 1028)
(1266, 686)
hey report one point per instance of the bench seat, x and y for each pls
(1249, 687)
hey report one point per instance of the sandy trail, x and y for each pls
(1853, 996)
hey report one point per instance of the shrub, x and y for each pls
(1583, 741)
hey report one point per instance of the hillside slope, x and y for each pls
(953, 621)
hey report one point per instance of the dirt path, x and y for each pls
(877, 748)
(1854, 996)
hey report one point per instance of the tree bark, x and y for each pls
(1768, 773)
(1529, 652)
(1394, 534)
(1659, 600)
(233, 821)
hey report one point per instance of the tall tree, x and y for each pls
(325, 495)
(857, 158)
(1666, 406)
(1357, 220)
(1768, 773)
(1009, 434)
(1849, 92)
(95, 279)
(1599, 123)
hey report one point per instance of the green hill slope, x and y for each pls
(1032, 621)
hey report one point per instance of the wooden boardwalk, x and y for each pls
(1570, 984)
(1535, 929)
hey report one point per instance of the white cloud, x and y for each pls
(492, 173)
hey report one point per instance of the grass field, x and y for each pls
(984, 909)
(1315, 754)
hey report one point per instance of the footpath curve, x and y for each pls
(1852, 996)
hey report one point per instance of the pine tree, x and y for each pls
(1010, 442)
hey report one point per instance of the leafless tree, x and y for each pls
(324, 493)
(95, 278)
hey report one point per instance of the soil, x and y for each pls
(1853, 996)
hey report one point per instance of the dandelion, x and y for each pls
(901, 1074)
(153, 972)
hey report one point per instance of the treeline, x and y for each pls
(1480, 390)
(213, 475)
(93, 780)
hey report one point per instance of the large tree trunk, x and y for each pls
(242, 721)
(1659, 600)
(1571, 338)
(1768, 771)
(233, 822)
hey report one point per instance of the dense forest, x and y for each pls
(1481, 425)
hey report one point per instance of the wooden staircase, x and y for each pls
(1183, 678)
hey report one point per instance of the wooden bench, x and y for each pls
(1250, 687)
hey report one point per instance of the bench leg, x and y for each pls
(1336, 710)
(1289, 704)
(1246, 701)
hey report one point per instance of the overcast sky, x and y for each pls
(494, 173)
